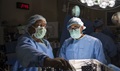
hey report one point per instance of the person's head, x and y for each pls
(75, 27)
(98, 25)
(36, 26)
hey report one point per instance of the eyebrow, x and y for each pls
(75, 25)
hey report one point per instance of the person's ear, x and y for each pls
(81, 28)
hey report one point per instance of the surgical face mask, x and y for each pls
(40, 32)
(75, 33)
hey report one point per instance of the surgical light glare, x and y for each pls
(83, 1)
(100, 3)
(90, 3)
(111, 3)
(103, 5)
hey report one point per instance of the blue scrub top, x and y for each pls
(86, 47)
(31, 54)
(109, 46)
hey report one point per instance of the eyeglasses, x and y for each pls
(73, 27)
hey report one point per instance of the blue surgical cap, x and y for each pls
(34, 18)
(75, 20)
(98, 23)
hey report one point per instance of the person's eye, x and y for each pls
(76, 27)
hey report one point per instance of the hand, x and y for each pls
(57, 63)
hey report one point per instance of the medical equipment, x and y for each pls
(89, 65)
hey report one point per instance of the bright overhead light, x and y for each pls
(83, 1)
(103, 4)
(100, 3)
(111, 3)
(90, 3)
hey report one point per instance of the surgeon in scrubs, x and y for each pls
(79, 45)
(75, 11)
(109, 46)
(33, 51)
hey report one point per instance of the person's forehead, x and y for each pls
(41, 21)
(74, 24)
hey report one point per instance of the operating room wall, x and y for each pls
(11, 17)
(11, 14)
(15, 16)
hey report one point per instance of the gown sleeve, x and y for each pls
(99, 54)
(27, 53)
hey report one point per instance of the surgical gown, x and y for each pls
(86, 47)
(109, 46)
(30, 54)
